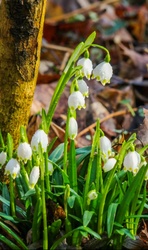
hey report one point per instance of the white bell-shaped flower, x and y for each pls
(109, 164)
(72, 128)
(105, 147)
(24, 152)
(39, 137)
(83, 88)
(50, 167)
(12, 168)
(34, 176)
(87, 67)
(76, 100)
(132, 162)
(103, 72)
(3, 157)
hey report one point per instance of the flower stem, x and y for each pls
(12, 200)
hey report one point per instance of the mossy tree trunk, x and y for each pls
(21, 29)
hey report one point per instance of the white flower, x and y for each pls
(83, 88)
(105, 147)
(24, 151)
(34, 176)
(87, 67)
(76, 100)
(50, 167)
(3, 157)
(72, 128)
(92, 195)
(12, 168)
(39, 137)
(109, 164)
(103, 72)
(132, 162)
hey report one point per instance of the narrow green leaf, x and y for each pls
(37, 218)
(125, 231)
(111, 217)
(87, 217)
(90, 39)
(71, 201)
(9, 231)
(57, 153)
(9, 243)
(129, 195)
(5, 194)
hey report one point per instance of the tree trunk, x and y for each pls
(21, 28)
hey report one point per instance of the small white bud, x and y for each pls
(34, 176)
(92, 195)
(132, 162)
(3, 157)
(109, 164)
(103, 72)
(39, 137)
(12, 168)
(76, 100)
(72, 128)
(87, 67)
(24, 152)
(83, 88)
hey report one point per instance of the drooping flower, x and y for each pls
(103, 72)
(87, 67)
(72, 128)
(109, 164)
(105, 147)
(132, 162)
(92, 195)
(83, 88)
(12, 168)
(50, 167)
(40, 137)
(34, 176)
(76, 100)
(3, 157)
(24, 152)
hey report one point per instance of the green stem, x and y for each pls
(47, 177)
(66, 143)
(45, 231)
(99, 178)
(72, 173)
(107, 58)
(87, 184)
(12, 198)
(103, 199)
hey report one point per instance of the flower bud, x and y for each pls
(87, 67)
(34, 176)
(39, 137)
(92, 195)
(76, 100)
(103, 72)
(83, 88)
(132, 162)
(105, 147)
(12, 168)
(3, 157)
(72, 128)
(24, 152)
(109, 164)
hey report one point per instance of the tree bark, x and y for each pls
(21, 28)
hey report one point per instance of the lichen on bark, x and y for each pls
(21, 30)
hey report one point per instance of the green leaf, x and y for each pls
(90, 39)
(111, 217)
(130, 193)
(87, 217)
(5, 194)
(9, 243)
(57, 153)
(10, 145)
(125, 231)
(71, 201)
(37, 218)
(55, 227)
(15, 237)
